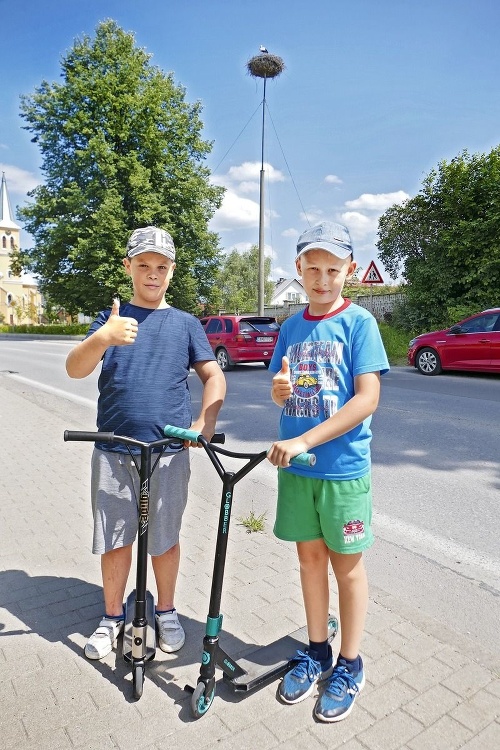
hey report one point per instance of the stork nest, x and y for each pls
(265, 66)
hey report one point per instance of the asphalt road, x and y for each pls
(436, 475)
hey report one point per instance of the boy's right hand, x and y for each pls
(282, 384)
(120, 331)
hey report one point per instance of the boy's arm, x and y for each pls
(214, 391)
(117, 331)
(356, 410)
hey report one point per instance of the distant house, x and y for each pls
(288, 291)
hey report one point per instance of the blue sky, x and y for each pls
(374, 95)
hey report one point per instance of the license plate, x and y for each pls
(264, 339)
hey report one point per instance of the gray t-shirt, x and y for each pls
(143, 386)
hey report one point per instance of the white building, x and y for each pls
(288, 291)
(20, 300)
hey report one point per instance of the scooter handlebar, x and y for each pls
(183, 434)
(304, 459)
(102, 437)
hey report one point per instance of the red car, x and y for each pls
(241, 338)
(473, 344)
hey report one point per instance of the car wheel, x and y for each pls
(223, 360)
(267, 362)
(428, 362)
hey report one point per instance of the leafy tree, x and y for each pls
(445, 242)
(121, 148)
(238, 281)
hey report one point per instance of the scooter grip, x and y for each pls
(102, 437)
(304, 459)
(192, 435)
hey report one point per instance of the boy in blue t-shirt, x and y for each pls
(147, 349)
(328, 362)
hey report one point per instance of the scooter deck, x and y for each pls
(268, 663)
(151, 629)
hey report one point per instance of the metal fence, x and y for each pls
(380, 306)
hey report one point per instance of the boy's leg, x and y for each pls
(352, 584)
(171, 634)
(347, 680)
(311, 666)
(115, 569)
(166, 568)
(313, 560)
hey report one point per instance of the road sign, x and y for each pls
(372, 275)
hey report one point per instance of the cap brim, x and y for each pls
(338, 250)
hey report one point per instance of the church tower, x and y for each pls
(20, 300)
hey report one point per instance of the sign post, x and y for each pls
(372, 276)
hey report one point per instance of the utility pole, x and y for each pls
(263, 66)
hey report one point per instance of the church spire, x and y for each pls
(6, 215)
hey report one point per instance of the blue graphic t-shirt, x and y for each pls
(143, 386)
(325, 355)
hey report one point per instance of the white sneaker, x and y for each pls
(171, 634)
(103, 638)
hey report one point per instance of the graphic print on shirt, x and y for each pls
(314, 377)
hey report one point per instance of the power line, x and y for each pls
(287, 166)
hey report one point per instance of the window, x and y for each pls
(12, 243)
(4, 241)
(214, 326)
(483, 323)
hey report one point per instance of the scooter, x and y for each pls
(268, 662)
(139, 634)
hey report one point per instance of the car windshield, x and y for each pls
(261, 324)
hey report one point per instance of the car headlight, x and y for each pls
(412, 343)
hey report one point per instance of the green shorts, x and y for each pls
(338, 511)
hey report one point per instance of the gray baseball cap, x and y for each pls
(150, 240)
(329, 236)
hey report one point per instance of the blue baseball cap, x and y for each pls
(329, 236)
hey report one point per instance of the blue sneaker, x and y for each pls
(300, 681)
(337, 700)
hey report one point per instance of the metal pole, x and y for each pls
(260, 294)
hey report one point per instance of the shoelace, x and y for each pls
(341, 681)
(306, 666)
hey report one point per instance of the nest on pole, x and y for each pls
(265, 66)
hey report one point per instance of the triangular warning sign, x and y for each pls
(372, 275)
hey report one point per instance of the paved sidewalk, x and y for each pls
(427, 688)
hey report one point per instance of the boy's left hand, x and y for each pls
(281, 452)
(201, 429)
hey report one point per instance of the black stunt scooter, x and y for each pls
(243, 675)
(139, 635)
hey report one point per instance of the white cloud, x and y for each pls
(250, 170)
(18, 180)
(377, 201)
(360, 225)
(238, 211)
(333, 179)
(235, 212)
(290, 232)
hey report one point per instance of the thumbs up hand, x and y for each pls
(121, 331)
(282, 384)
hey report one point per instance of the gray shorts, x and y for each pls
(115, 493)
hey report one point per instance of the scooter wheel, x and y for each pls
(138, 681)
(333, 627)
(200, 703)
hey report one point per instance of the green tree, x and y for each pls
(121, 148)
(238, 281)
(445, 242)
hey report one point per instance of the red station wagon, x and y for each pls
(473, 344)
(241, 338)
